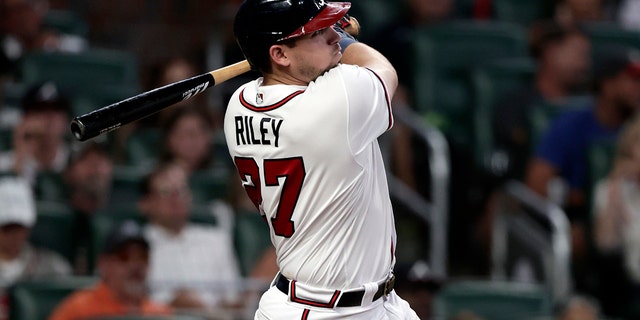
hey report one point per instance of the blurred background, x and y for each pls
(513, 164)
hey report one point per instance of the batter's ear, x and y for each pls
(278, 54)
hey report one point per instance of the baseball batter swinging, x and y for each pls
(304, 140)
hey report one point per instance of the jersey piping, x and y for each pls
(276, 105)
(386, 95)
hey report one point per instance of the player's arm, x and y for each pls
(363, 55)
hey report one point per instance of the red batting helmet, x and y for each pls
(262, 23)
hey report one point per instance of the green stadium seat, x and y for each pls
(54, 228)
(84, 70)
(36, 299)
(251, 238)
(492, 300)
(66, 22)
(6, 139)
(374, 14)
(85, 101)
(210, 185)
(444, 56)
(142, 147)
(523, 12)
(126, 184)
(604, 35)
(12, 93)
(490, 82)
(49, 186)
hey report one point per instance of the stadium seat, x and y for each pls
(142, 147)
(492, 300)
(66, 22)
(210, 185)
(6, 136)
(251, 238)
(49, 186)
(36, 299)
(12, 93)
(490, 82)
(126, 184)
(77, 71)
(54, 228)
(604, 35)
(444, 55)
(374, 14)
(523, 12)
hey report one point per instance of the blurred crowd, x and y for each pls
(155, 213)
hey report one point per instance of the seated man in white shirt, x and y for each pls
(192, 265)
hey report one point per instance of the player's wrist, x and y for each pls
(345, 39)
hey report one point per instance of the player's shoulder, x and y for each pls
(348, 74)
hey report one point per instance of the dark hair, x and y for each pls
(85, 149)
(545, 34)
(172, 122)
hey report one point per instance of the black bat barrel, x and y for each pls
(113, 116)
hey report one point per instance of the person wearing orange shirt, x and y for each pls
(122, 289)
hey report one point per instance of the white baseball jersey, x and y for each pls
(309, 158)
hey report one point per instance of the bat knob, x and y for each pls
(78, 129)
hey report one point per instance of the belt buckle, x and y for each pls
(389, 284)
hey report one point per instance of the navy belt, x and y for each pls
(348, 299)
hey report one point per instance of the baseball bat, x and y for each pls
(113, 116)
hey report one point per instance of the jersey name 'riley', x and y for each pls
(252, 131)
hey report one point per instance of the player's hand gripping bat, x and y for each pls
(113, 116)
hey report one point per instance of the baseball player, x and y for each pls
(304, 140)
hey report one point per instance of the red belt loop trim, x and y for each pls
(331, 303)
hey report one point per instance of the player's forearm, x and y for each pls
(363, 55)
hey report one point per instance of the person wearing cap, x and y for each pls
(561, 154)
(304, 139)
(562, 56)
(19, 259)
(122, 289)
(39, 143)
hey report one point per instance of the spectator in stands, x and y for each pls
(39, 143)
(88, 180)
(561, 153)
(122, 289)
(206, 274)
(188, 139)
(20, 260)
(22, 30)
(170, 71)
(562, 57)
(617, 223)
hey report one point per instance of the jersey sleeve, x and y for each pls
(369, 106)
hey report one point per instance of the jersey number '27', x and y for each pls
(293, 172)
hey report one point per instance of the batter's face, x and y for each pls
(312, 55)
